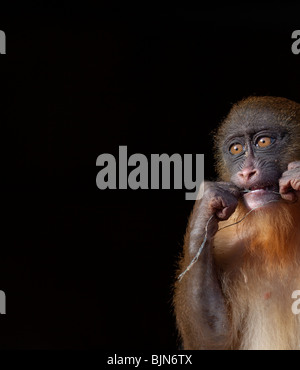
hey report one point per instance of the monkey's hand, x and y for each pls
(219, 199)
(289, 183)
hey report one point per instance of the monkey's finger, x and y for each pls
(295, 183)
(291, 196)
(284, 184)
(227, 209)
(293, 165)
(290, 180)
(286, 187)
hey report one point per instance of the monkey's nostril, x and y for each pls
(247, 174)
(252, 173)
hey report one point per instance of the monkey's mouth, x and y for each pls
(259, 196)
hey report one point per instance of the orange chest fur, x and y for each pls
(270, 236)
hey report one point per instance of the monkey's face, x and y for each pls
(257, 141)
(255, 163)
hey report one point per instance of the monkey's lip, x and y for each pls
(258, 196)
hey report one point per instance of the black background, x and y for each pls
(90, 269)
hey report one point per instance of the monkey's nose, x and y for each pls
(247, 173)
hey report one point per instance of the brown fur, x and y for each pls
(257, 258)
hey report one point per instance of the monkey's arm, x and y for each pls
(201, 311)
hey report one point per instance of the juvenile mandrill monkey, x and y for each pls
(238, 294)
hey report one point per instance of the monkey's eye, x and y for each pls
(264, 141)
(236, 149)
